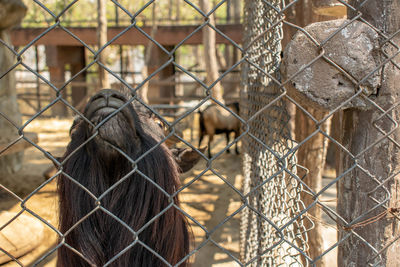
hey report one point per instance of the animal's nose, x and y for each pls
(106, 99)
(107, 94)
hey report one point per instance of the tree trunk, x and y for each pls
(237, 6)
(9, 107)
(210, 56)
(11, 14)
(375, 178)
(221, 60)
(102, 40)
(311, 154)
(144, 91)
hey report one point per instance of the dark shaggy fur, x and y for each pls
(86, 222)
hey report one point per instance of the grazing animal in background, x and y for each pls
(148, 229)
(217, 120)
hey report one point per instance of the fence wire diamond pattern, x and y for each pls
(283, 209)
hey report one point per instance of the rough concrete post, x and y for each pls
(359, 191)
(11, 14)
(322, 88)
(321, 85)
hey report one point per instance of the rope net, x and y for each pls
(272, 230)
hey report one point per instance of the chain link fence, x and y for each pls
(328, 94)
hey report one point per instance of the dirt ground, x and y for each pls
(208, 199)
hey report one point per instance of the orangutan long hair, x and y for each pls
(147, 230)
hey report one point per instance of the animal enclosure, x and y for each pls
(316, 182)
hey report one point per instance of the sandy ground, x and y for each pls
(30, 185)
(209, 200)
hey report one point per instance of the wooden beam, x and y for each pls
(166, 35)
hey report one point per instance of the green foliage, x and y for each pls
(83, 13)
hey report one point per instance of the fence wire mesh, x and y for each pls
(285, 216)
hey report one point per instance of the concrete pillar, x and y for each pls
(164, 91)
(78, 92)
(57, 78)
